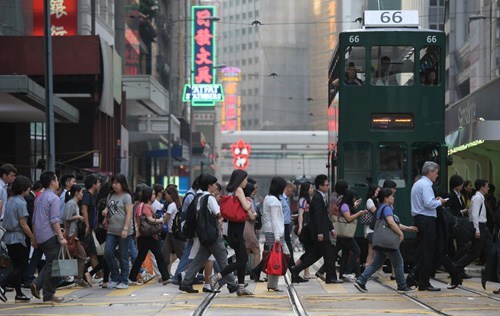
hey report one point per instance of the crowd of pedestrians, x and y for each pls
(109, 228)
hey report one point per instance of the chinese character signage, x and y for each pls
(241, 153)
(63, 17)
(202, 57)
(231, 111)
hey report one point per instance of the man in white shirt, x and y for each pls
(477, 215)
(7, 176)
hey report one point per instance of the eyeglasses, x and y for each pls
(326, 184)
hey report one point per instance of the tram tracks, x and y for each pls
(470, 290)
(297, 306)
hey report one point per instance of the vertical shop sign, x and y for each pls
(63, 17)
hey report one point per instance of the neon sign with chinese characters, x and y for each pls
(63, 17)
(203, 58)
(241, 152)
(231, 107)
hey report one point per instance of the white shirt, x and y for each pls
(476, 205)
(156, 205)
(273, 220)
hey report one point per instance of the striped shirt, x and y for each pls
(45, 214)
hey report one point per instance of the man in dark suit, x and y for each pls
(320, 230)
(456, 207)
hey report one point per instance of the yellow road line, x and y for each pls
(334, 288)
(130, 290)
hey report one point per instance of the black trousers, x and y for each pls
(319, 249)
(19, 256)
(426, 248)
(241, 261)
(146, 244)
(485, 241)
(288, 241)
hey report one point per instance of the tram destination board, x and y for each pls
(388, 121)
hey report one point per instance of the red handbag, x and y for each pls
(274, 261)
(231, 209)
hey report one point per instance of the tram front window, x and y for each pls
(357, 163)
(392, 65)
(429, 66)
(422, 152)
(393, 163)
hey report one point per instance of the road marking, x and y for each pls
(130, 290)
(334, 288)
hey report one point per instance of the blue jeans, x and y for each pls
(184, 261)
(118, 276)
(378, 261)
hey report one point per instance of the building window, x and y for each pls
(256, 44)
(250, 15)
(243, 16)
(249, 45)
(243, 31)
(249, 107)
(256, 91)
(255, 122)
(249, 61)
(243, 62)
(243, 46)
(256, 60)
(436, 15)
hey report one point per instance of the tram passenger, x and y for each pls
(385, 76)
(423, 210)
(386, 200)
(430, 78)
(351, 76)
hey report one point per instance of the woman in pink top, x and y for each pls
(147, 243)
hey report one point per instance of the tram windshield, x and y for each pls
(392, 163)
(357, 163)
(392, 65)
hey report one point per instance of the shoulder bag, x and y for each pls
(64, 265)
(275, 261)
(148, 229)
(232, 210)
(383, 235)
(343, 227)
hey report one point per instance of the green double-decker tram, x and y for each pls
(386, 110)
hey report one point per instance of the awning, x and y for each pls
(23, 100)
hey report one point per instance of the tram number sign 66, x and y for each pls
(354, 39)
(431, 39)
(391, 18)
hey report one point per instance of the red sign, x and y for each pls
(203, 43)
(241, 152)
(63, 17)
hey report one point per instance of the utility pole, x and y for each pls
(49, 102)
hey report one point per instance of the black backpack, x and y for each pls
(258, 219)
(206, 224)
(184, 224)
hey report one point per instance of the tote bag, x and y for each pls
(383, 236)
(343, 227)
(274, 261)
(64, 265)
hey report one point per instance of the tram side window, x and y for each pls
(354, 66)
(422, 152)
(393, 163)
(392, 65)
(357, 163)
(429, 66)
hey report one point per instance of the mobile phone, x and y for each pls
(446, 199)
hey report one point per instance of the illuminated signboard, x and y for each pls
(202, 58)
(203, 92)
(392, 121)
(63, 17)
(231, 107)
(241, 152)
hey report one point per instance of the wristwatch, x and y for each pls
(125, 228)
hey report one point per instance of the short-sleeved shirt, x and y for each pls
(88, 199)
(70, 209)
(303, 204)
(14, 211)
(117, 205)
(388, 211)
(287, 213)
(344, 208)
(172, 210)
(147, 210)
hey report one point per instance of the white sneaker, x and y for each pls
(122, 286)
(112, 285)
(133, 283)
(146, 277)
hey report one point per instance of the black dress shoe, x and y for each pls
(496, 291)
(334, 281)
(187, 288)
(429, 288)
(320, 276)
(453, 286)
(411, 280)
(484, 279)
(300, 279)
(274, 290)
(465, 276)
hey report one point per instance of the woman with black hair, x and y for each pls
(172, 248)
(350, 250)
(17, 229)
(306, 192)
(119, 214)
(386, 210)
(371, 206)
(147, 243)
(251, 241)
(273, 224)
(237, 182)
(71, 216)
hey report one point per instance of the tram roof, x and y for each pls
(391, 29)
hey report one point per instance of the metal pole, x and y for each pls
(92, 17)
(49, 104)
(188, 79)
